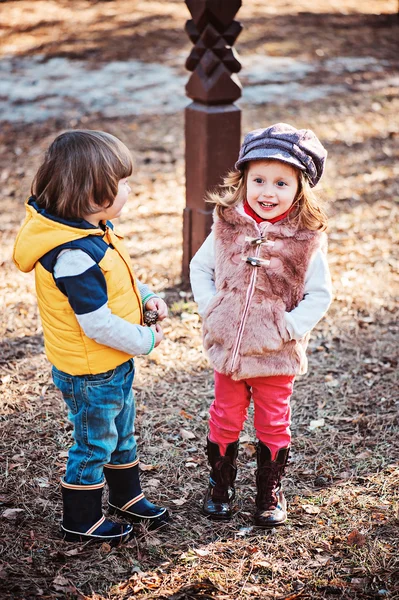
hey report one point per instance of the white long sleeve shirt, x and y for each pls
(300, 321)
(79, 277)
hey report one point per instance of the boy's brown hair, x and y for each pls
(80, 173)
(306, 213)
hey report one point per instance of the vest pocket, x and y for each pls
(264, 330)
(213, 303)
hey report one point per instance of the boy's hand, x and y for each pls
(157, 329)
(159, 305)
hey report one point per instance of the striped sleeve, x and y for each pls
(79, 277)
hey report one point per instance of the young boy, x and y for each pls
(91, 306)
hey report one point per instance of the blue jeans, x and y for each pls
(101, 409)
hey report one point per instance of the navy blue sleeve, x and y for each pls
(86, 292)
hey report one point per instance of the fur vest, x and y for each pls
(259, 275)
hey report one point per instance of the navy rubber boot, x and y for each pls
(127, 499)
(83, 519)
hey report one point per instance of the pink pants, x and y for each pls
(271, 396)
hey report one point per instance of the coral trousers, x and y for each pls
(272, 411)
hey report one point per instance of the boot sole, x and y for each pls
(71, 536)
(213, 517)
(153, 522)
(269, 526)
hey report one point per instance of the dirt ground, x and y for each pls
(342, 483)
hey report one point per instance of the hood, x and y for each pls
(41, 232)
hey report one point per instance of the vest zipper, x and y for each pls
(250, 293)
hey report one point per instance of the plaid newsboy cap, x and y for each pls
(298, 147)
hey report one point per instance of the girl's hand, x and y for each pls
(159, 305)
(157, 329)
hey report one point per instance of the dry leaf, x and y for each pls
(186, 415)
(355, 538)
(42, 482)
(61, 584)
(144, 467)
(12, 513)
(105, 548)
(364, 455)
(180, 501)
(316, 423)
(187, 435)
(73, 552)
(333, 500)
(311, 509)
(153, 482)
(201, 551)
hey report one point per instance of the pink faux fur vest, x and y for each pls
(244, 326)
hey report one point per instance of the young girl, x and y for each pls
(262, 283)
(91, 306)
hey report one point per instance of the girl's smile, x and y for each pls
(272, 186)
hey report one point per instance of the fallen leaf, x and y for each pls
(333, 500)
(61, 584)
(105, 548)
(42, 482)
(12, 513)
(180, 501)
(364, 455)
(144, 467)
(355, 538)
(153, 482)
(311, 509)
(316, 423)
(185, 415)
(359, 582)
(201, 551)
(73, 552)
(187, 435)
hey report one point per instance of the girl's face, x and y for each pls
(271, 187)
(114, 211)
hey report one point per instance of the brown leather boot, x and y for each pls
(221, 493)
(270, 502)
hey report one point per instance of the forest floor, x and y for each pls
(342, 481)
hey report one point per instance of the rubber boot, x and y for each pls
(83, 519)
(126, 498)
(218, 501)
(270, 501)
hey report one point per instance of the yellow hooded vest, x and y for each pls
(66, 345)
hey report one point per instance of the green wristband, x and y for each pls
(153, 341)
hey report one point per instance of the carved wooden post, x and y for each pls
(212, 121)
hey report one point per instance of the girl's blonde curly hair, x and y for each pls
(306, 213)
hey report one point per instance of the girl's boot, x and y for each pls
(126, 498)
(221, 493)
(270, 502)
(83, 519)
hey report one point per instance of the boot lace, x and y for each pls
(268, 483)
(223, 476)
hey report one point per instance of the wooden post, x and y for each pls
(212, 121)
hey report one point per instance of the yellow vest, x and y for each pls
(66, 345)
